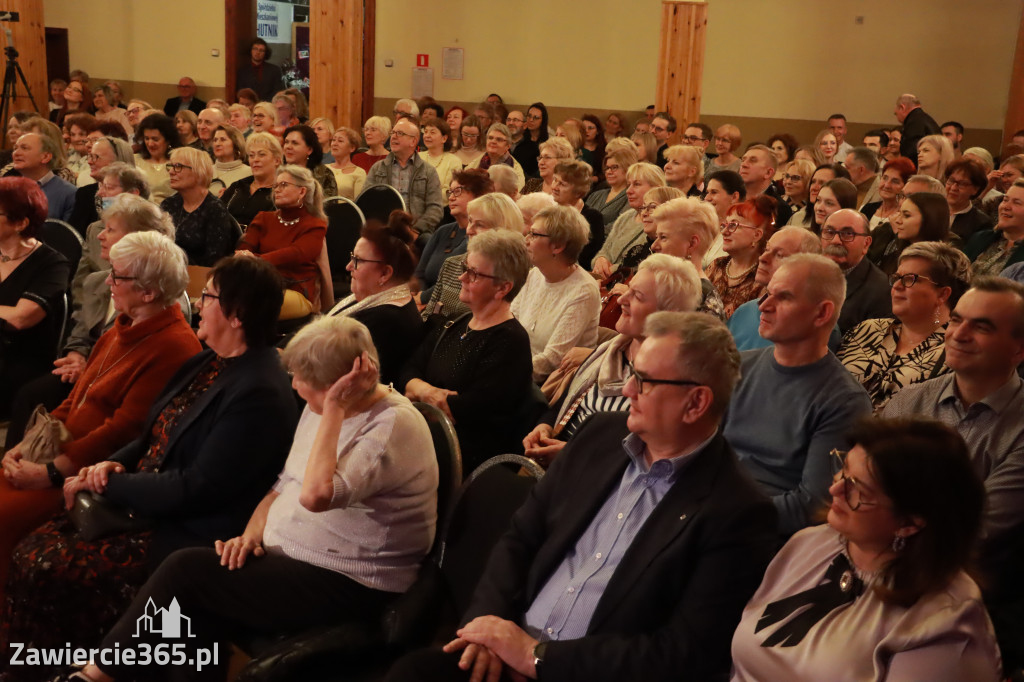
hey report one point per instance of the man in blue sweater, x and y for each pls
(795, 401)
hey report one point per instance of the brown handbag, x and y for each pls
(43, 437)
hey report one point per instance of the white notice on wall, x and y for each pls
(422, 82)
(452, 63)
(274, 21)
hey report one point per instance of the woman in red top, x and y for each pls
(291, 239)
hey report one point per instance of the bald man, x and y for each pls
(186, 99)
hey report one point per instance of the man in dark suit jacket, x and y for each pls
(634, 556)
(916, 124)
(867, 287)
(186, 95)
(258, 73)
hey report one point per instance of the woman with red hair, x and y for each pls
(746, 230)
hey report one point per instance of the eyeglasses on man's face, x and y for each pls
(642, 381)
(845, 234)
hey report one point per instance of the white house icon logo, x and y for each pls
(167, 622)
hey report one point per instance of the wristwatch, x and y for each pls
(54, 474)
(538, 656)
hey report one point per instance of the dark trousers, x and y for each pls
(47, 390)
(430, 665)
(271, 595)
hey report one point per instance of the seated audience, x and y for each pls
(553, 151)
(862, 165)
(291, 239)
(684, 169)
(92, 314)
(187, 125)
(414, 179)
(727, 140)
(532, 204)
(991, 251)
(437, 141)
(186, 98)
(745, 321)
(195, 472)
(107, 407)
(628, 229)
(646, 146)
(886, 355)
(833, 196)
(207, 122)
(611, 202)
(934, 153)
(450, 239)
(33, 277)
(656, 579)
(722, 190)
(895, 174)
(922, 217)
(107, 109)
(376, 132)
(339, 535)
(783, 145)
(559, 304)
(241, 118)
(229, 159)
(348, 176)
(202, 225)
(661, 283)
(477, 369)
(493, 211)
(796, 178)
(845, 240)
(251, 195)
(35, 157)
(76, 128)
(535, 132)
(505, 181)
(324, 130)
(471, 141)
(453, 117)
(822, 174)
(159, 138)
(757, 168)
(886, 574)
(570, 183)
(285, 113)
(77, 99)
(636, 254)
(302, 148)
(795, 399)
(263, 117)
(497, 145)
(965, 180)
(748, 227)
(105, 151)
(592, 150)
(825, 147)
(381, 266)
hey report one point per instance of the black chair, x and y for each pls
(63, 238)
(479, 516)
(61, 317)
(236, 230)
(377, 202)
(344, 223)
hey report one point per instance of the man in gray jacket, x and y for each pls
(414, 179)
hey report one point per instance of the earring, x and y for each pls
(938, 320)
(898, 543)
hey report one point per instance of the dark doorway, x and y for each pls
(58, 60)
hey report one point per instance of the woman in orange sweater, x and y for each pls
(291, 239)
(128, 367)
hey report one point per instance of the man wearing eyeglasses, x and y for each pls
(699, 135)
(662, 127)
(795, 401)
(845, 239)
(408, 173)
(634, 556)
(186, 99)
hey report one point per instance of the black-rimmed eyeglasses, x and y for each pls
(642, 380)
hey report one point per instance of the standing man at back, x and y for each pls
(916, 124)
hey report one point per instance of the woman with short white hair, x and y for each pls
(561, 303)
(662, 282)
(203, 226)
(246, 197)
(376, 131)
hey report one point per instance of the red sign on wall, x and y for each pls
(422, 60)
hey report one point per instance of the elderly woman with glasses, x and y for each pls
(498, 143)
(881, 590)
(727, 140)
(662, 282)
(381, 266)
(263, 116)
(628, 229)
(215, 437)
(887, 354)
(203, 226)
(560, 302)
(291, 239)
(745, 233)
(477, 369)
(614, 199)
(376, 132)
(553, 151)
(570, 183)
(965, 181)
(128, 367)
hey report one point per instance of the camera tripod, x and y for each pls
(11, 74)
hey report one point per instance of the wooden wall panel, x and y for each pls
(336, 73)
(29, 37)
(681, 61)
(1015, 104)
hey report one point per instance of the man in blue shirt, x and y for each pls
(35, 156)
(634, 556)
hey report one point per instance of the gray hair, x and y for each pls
(865, 157)
(139, 215)
(156, 262)
(934, 186)
(506, 252)
(686, 154)
(265, 141)
(707, 353)
(809, 242)
(947, 265)
(534, 202)
(122, 150)
(558, 147)
(199, 161)
(414, 109)
(824, 281)
(676, 282)
(324, 350)
(505, 179)
(908, 100)
(501, 128)
(983, 155)
(48, 146)
(690, 213)
(498, 210)
(645, 172)
(314, 201)
(567, 227)
(130, 178)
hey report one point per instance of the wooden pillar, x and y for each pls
(29, 38)
(681, 61)
(338, 37)
(1015, 103)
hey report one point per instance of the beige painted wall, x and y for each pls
(145, 41)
